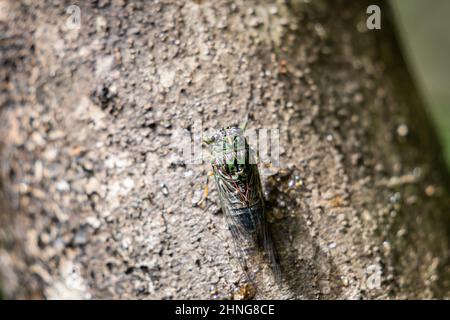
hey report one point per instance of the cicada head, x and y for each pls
(230, 151)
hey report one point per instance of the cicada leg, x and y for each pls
(205, 190)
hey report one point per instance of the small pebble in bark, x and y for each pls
(402, 130)
(164, 189)
(80, 237)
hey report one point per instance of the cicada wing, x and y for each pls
(242, 249)
(249, 239)
(240, 239)
(271, 252)
(242, 202)
(263, 231)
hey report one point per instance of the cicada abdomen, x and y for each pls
(241, 196)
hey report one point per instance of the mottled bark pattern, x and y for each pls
(96, 203)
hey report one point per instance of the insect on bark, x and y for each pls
(241, 196)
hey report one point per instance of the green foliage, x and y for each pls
(425, 33)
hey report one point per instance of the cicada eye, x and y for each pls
(210, 139)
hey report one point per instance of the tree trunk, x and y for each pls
(98, 204)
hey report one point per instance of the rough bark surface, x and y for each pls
(97, 204)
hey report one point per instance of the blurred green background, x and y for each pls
(425, 34)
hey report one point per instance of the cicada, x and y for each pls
(239, 186)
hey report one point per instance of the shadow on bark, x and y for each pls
(307, 270)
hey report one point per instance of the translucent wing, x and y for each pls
(243, 205)
(241, 242)
(263, 234)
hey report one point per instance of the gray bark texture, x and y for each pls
(97, 204)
